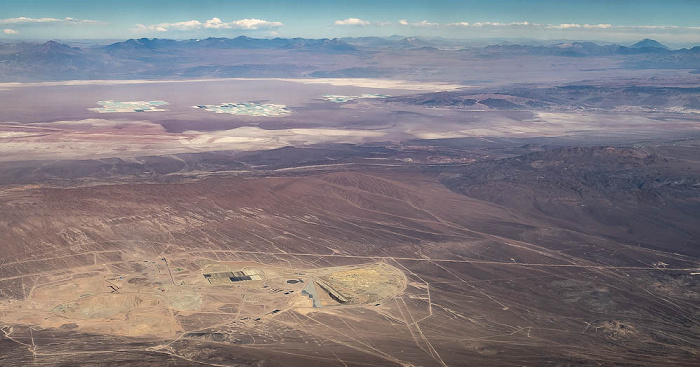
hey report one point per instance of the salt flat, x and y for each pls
(356, 82)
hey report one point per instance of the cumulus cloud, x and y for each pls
(524, 24)
(562, 26)
(214, 23)
(152, 28)
(10, 31)
(658, 27)
(252, 24)
(353, 21)
(600, 26)
(622, 27)
(488, 24)
(501, 25)
(164, 27)
(362, 23)
(25, 20)
(424, 23)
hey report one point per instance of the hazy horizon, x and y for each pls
(670, 21)
(457, 42)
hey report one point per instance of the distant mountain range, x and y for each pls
(242, 42)
(222, 57)
(577, 49)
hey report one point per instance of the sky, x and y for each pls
(675, 21)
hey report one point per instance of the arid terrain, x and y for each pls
(438, 213)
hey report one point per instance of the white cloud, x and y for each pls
(487, 24)
(183, 26)
(353, 21)
(25, 20)
(557, 27)
(499, 25)
(214, 23)
(10, 31)
(564, 26)
(164, 27)
(424, 23)
(252, 24)
(658, 27)
(152, 28)
(610, 27)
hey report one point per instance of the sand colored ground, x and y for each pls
(365, 284)
(147, 301)
(99, 138)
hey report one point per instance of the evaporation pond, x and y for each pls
(130, 106)
(247, 109)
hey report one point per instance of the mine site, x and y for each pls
(148, 298)
(409, 184)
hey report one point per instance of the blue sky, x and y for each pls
(613, 20)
